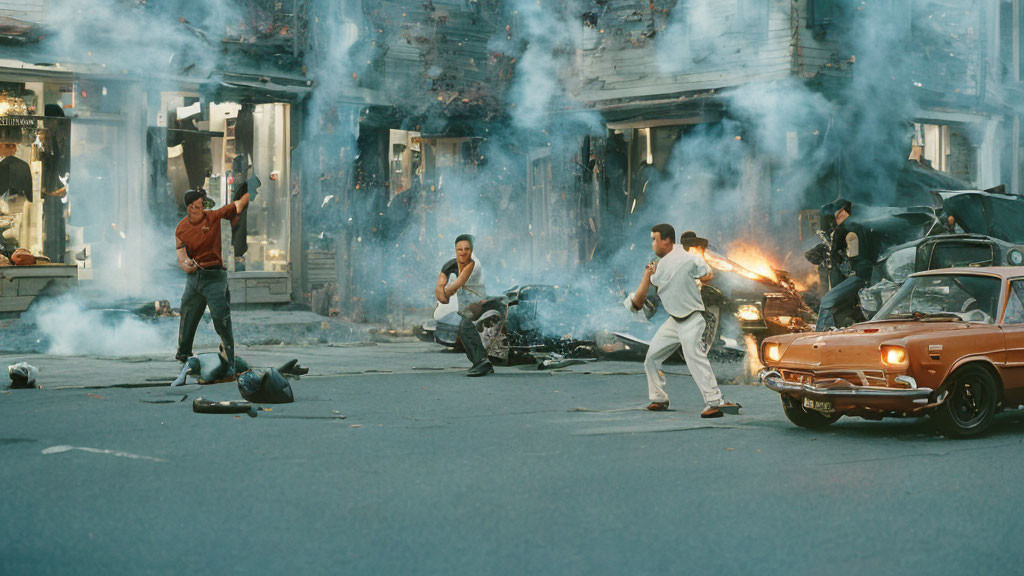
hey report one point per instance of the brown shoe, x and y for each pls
(658, 406)
(712, 412)
(730, 408)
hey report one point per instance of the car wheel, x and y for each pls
(970, 405)
(803, 417)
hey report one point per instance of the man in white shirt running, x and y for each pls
(676, 277)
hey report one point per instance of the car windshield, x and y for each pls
(972, 298)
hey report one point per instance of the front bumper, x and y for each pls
(840, 389)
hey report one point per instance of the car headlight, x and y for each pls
(773, 351)
(748, 313)
(894, 356)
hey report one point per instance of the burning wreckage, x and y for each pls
(548, 324)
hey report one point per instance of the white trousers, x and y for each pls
(687, 334)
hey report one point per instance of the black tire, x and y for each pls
(804, 418)
(970, 404)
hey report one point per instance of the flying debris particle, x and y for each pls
(328, 199)
(633, 207)
(631, 246)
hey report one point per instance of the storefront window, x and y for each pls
(229, 145)
(34, 166)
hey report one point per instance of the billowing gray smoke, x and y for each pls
(131, 250)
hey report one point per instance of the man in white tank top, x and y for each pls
(469, 286)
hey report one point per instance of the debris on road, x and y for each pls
(293, 368)
(23, 375)
(265, 387)
(203, 406)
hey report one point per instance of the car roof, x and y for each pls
(1001, 271)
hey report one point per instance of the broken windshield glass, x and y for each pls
(972, 298)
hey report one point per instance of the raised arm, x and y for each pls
(645, 285)
(459, 282)
(442, 279)
(242, 203)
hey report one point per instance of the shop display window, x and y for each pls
(34, 172)
(219, 146)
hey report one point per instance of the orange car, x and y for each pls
(949, 343)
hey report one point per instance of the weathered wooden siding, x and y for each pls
(27, 10)
(619, 56)
(435, 54)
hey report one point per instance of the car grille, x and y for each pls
(855, 377)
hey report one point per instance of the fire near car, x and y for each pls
(949, 343)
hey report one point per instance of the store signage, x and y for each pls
(17, 121)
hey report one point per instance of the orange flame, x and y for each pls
(752, 258)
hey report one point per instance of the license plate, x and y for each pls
(817, 405)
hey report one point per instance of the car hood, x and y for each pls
(856, 346)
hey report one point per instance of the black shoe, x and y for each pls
(482, 369)
(182, 358)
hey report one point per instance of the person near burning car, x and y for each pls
(468, 286)
(206, 283)
(852, 242)
(675, 276)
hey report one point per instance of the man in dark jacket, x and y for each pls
(853, 243)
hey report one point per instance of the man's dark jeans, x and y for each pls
(468, 334)
(206, 288)
(841, 296)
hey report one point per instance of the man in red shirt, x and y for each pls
(198, 243)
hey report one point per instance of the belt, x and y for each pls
(684, 318)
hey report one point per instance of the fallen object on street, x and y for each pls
(23, 375)
(265, 387)
(203, 406)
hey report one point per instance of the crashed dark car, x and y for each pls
(963, 228)
(931, 253)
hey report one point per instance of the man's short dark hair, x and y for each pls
(193, 195)
(665, 231)
(465, 238)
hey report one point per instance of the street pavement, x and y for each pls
(391, 461)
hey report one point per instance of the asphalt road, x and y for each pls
(420, 470)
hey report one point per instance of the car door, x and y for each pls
(1013, 334)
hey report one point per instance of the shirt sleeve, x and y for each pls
(700, 267)
(450, 267)
(226, 211)
(657, 276)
